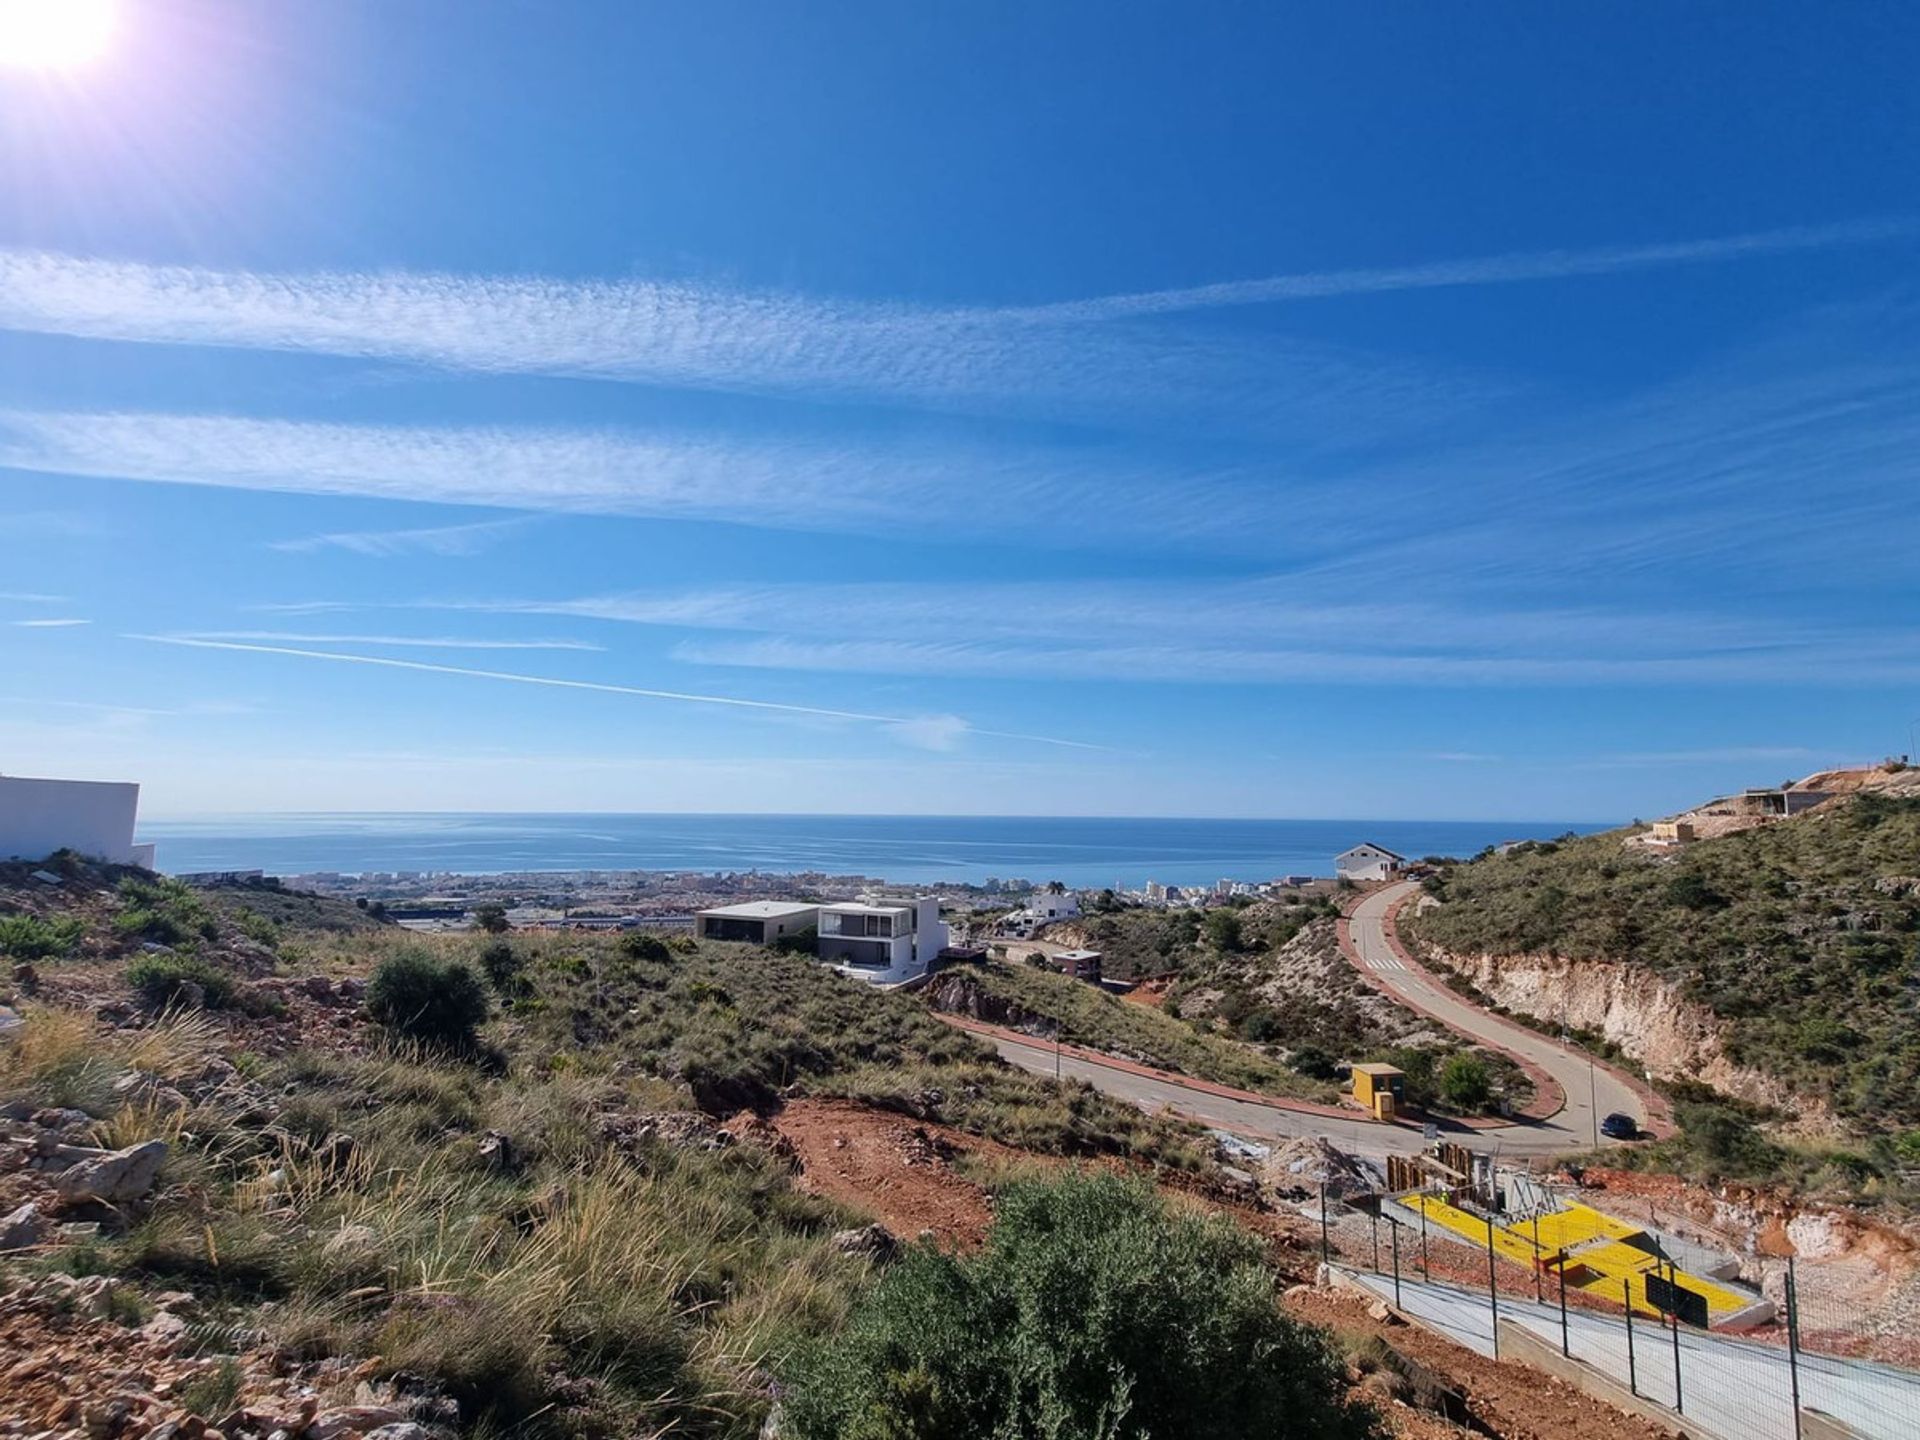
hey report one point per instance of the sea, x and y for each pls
(921, 849)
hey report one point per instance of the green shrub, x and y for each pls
(638, 945)
(415, 995)
(163, 911)
(1224, 931)
(1094, 1311)
(1465, 1082)
(503, 967)
(25, 937)
(1312, 1061)
(160, 978)
(491, 918)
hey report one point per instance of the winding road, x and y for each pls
(1591, 1090)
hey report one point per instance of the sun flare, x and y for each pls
(54, 34)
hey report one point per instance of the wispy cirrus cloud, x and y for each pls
(398, 642)
(1044, 359)
(30, 598)
(1267, 631)
(782, 483)
(1367, 661)
(64, 622)
(1714, 755)
(924, 731)
(709, 337)
(449, 540)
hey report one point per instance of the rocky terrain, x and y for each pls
(238, 1203)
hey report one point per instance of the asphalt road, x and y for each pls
(1592, 1093)
(1239, 1117)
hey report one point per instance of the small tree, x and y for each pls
(1465, 1082)
(1094, 1311)
(417, 996)
(491, 918)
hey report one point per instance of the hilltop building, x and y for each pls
(1368, 862)
(89, 817)
(757, 922)
(884, 942)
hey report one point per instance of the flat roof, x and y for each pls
(1076, 955)
(761, 910)
(1378, 1070)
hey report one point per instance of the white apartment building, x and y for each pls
(884, 942)
(92, 818)
(1045, 907)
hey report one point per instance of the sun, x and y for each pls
(54, 34)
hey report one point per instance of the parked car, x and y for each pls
(1620, 1126)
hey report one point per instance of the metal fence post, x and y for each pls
(1395, 1231)
(1793, 1343)
(1566, 1347)
(1426, 1272)
(1673, 1319)
(1376, 1237)
(1493, 1290)
(1633, 1371)
(1537, 1296)
(1325, 1250)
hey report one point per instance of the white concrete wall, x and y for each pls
(38, 817)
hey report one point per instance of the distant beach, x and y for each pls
(1085, 853)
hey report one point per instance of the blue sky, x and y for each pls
(1067, 409)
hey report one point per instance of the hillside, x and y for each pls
(1800, 940)
(260, 1178)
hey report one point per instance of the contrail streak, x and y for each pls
(898, 722)
(1487, 270)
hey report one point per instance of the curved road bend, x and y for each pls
(1592, 1091)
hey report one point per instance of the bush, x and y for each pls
(1225, 931)
(491, 918)
(163, 911)
(1312, 1061)
(637, 945)
(23, 937)
(160, 978)
(415, 995)
(1465, 1082)
(502, 966)
(1093, 1311)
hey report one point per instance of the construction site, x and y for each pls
(1525, 1266)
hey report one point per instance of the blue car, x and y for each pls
(1619, 1126)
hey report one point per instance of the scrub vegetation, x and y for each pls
(1803, 936)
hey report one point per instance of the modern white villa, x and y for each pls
(883, 942)
(90, 817)
(757, 922)
(1367, 861)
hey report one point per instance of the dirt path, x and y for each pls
(896, 1169)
